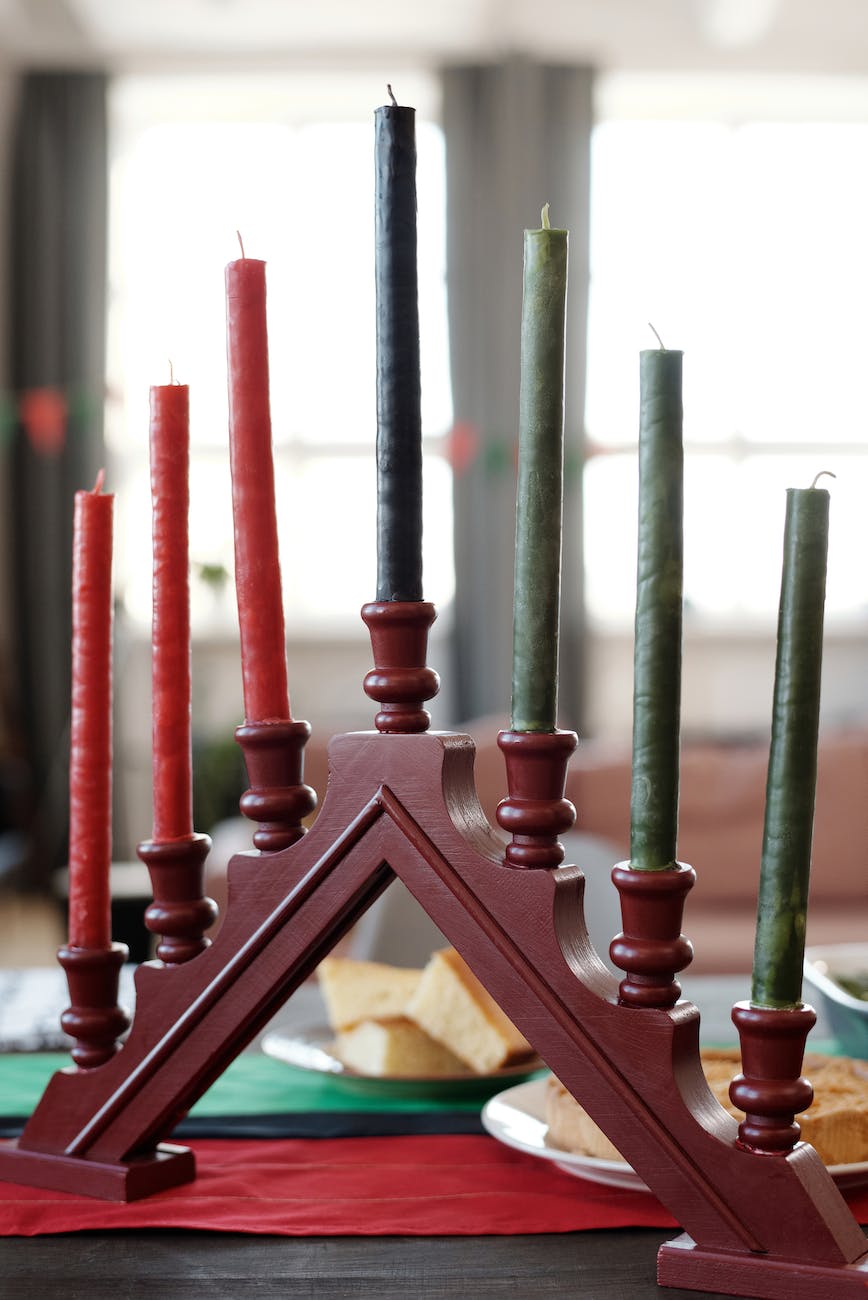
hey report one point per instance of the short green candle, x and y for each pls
(657, 646)
(792, 773)
(539, 504)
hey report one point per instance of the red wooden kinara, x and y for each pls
(759, 1219)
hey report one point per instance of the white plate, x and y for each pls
(312, 1049)
(516, 1117)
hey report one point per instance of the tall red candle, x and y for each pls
(170, 635)
(90, 763)
(257, 565)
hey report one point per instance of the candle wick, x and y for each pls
(828, 472)
(392, 96)
(657, 337)
(546, 224)
(171, 372)
(241, 242)
(100, 480)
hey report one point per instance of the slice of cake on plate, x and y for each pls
(395, 1048)
(453, 1008)
(364, 990)
(836, 1123)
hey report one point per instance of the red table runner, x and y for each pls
(408, 1186)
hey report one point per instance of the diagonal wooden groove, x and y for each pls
(560, 1013)
(208, 998)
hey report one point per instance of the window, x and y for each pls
(289, 163)
(743, 243)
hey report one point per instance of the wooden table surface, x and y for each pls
(616, 1264)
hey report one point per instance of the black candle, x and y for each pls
(399, 416)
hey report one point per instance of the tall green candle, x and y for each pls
(657, 646)
(539, 503)
(792, 773)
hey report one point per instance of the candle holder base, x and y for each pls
(535, 812)
(770, 1089)
(651, 948)
(681, 1263)
(163, 1167)
(180, 913)
(400, 680)
(277, 799)
(404, 805)
(94, 1018)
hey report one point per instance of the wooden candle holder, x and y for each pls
(180, 913)
(651, 949)
(94, 1018)
(770, 1089)
(401, 802)
(277, 798)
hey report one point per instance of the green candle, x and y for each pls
(657, 647)
(539, 504)
(792, 772)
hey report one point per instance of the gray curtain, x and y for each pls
(57, 308)
(517, 136)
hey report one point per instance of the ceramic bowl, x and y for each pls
(847, 1015)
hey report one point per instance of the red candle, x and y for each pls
(257, 566)
(170, 636)
(90, 763)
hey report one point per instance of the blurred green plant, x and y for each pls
(213, 575)
(219, 779)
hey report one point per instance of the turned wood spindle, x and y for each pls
(277, 798)
(400, 682)
(770, 1088)
(180, 912)
(535, 812)
(651, 949)
(94, 1018)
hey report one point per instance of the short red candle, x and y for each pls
(170, 636)
(90, 764)
(257, 565)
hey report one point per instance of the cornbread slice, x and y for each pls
(396, 1048)
(364, 990)
(571, 1127)
(452, 1007)
(836, 1123)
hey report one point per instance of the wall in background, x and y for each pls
(8, 92)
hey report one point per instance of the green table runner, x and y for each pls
(252, 1085)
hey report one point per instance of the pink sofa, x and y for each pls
(721, 819)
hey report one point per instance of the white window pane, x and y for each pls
(327, 530)
(800, 343)
(745, 248)
(189, 170)
(660, 229)
(610, 513)
(733, 535)
(764, 504)
(211, 543)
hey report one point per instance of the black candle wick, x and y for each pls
(392, 96)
